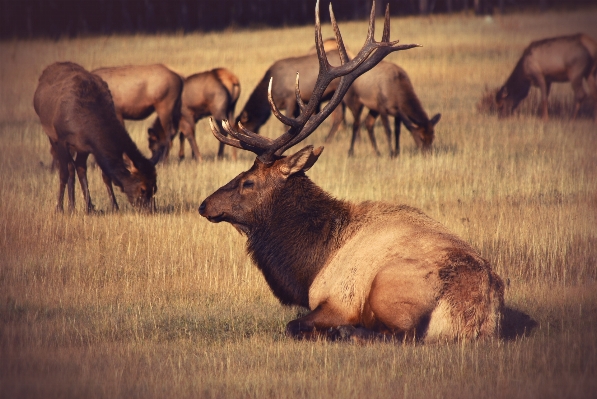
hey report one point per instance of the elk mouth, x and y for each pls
(215, 219)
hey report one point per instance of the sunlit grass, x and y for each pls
(168, 305)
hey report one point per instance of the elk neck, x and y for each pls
(518, 84)
(257, 108)
(294, 236)
(108, 150)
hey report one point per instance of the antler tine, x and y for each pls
(385, 37)
(339, 42)
(297, 91)
(281, 117)
(370, 55)
(234, 142)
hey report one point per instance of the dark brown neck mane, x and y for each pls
(518, 85)
(257, 107)
(297, 231)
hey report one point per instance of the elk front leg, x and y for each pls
(579, 95)
(540, 81)
(181, 146)
(188, 130)
(110, 189)
(356, 125)
(386, 125)
(326, 323)
(397, 122)
(337, 120)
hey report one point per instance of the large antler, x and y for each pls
(371, 54)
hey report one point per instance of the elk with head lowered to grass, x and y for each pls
(76, 111)
(362, 269)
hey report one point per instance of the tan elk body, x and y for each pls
(362, 269)
(559, 59)
(140, 90)
(386, 90)
(209, 93)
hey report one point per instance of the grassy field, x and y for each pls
(127, 305)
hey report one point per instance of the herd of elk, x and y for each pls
(560, 59)
(77, 113)
(214, 93)
(140, 90)
(364, 270)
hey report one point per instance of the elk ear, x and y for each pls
(301, 161)
(130, 166)
(409, 125)
(435, 119)
(244, 118)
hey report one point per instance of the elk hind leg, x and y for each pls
(370, 124)
(356, 125)
(323, 322)
(81, 167)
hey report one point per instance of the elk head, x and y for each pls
(140, 186)
(159, 145)
(241, 200)
(503, 102)
(423, 133)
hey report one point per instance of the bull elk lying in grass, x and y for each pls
(138, 91)
(362, 269)
(214, 93)
(559, 59)
(77, 113)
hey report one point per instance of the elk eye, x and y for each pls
(248, 184)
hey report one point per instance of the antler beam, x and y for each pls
(301, 127)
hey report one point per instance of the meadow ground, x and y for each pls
(127, 305)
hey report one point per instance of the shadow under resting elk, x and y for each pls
(364, 270)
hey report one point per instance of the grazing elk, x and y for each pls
(138, 91)
(77, 113)
(387, 90)
(362, 269)
(214, 93)
(257, 110)
(559, 59)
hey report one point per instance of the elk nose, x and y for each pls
(202, 208)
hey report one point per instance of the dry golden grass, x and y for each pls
(168, 305)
